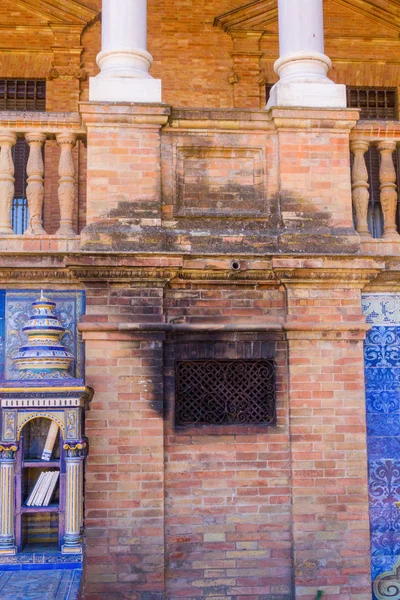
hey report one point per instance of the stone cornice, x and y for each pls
(226, 119)
(344, 277)
(332, 119)
(175, 269)
(48, 122)
(104, 114)
(292, 329)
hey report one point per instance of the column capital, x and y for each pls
(8, 451)
(76, 449)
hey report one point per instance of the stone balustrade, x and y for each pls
(385, 138)
(37, 128)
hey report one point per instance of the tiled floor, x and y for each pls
(55, 584)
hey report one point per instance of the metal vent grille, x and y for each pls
(23, 94)
(374, 103)
(219, 392)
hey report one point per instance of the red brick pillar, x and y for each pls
(315, 185)
(325, 331)
(245, 76)
(123, 175)
(124, 479)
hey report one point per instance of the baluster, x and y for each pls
(66, 190)
(7, 141)
(387, 178)
(360, 187)
(35, 187)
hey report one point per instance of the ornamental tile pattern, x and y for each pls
(382, 387)
(57, 584)
(18, 308)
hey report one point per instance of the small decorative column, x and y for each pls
(387, 178)
(303, 65)
(7, 474)
(124, 61)
(360, 186)
(75, 453)
(7, 141)
(35, 187)
(66, 190)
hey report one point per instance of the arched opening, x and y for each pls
(38, 518)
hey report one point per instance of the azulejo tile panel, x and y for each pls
(40, 585)
(382, 387)
(381, 309)
(16, 311)
(381, 401)
(383, 424)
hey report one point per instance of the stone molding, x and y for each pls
(104, 114)
(68, 12)
(260, 14)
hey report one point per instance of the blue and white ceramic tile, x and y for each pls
(69, 310)
(382, 379)
(383, 424)
(385, 517)
(381, 347)
(59, 584)
(382, 564)
(381, 309)
(385, 543)
(383, 447)
(382, 391)
(384, 481)
(382, 401)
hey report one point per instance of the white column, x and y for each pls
(302, 66)
(124, 61)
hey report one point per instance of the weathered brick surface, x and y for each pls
(228, 508)
(328, 443)
(226, 513)
(125, 471)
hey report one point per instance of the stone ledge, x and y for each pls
(40, 243)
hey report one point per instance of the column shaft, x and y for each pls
(73, 506)
(124, 61)
(301, 26)
(302, 65)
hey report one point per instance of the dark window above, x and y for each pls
(225, 392)
(23, 94)
(374, 103)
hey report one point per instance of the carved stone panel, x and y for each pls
(219, 181)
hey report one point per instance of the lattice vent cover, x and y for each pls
(225, 392)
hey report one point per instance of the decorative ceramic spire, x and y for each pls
(44, 356)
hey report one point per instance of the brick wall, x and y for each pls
(328, 438)
(228, 503)
(125, 471)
